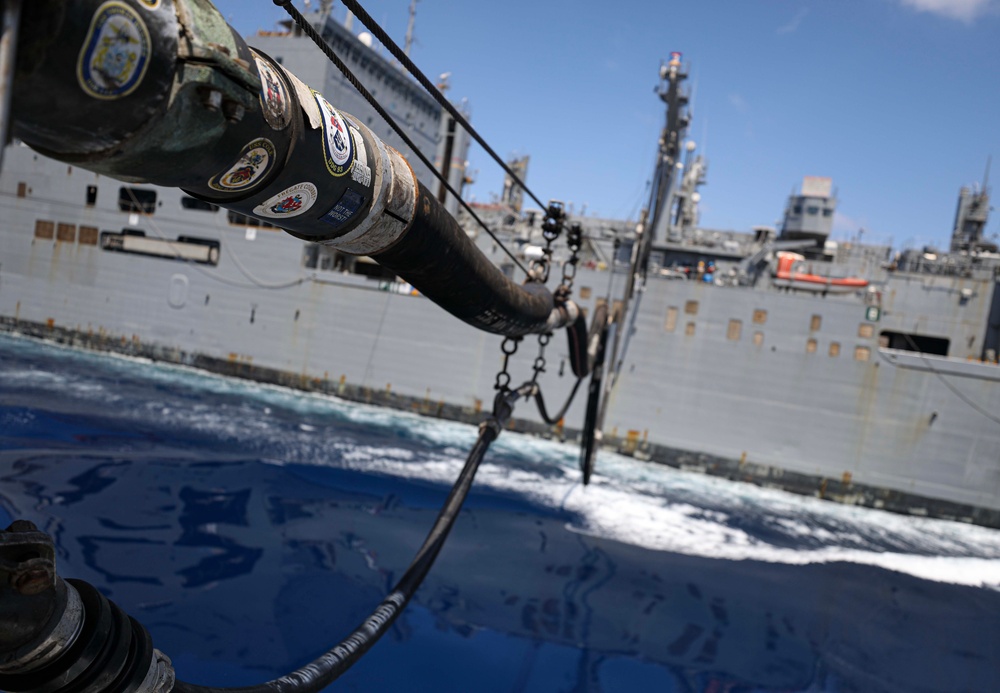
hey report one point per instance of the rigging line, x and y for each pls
(196, 266)
(258, 282)
(378, 334)
(326, 668)
(404, 59)
(557, 417)
(311, 32)
(930, 366)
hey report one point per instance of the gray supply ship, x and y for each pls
(776, 357)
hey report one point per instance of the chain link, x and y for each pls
(539, 365)
(509, 348)
(552, 226)
(574, 240)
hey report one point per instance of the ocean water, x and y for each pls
(251, 527)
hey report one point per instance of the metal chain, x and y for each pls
(509, 348)
(539, 365)
(552, 225)
(574, 240)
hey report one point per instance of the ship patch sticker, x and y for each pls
(115, 54)
(273, 95)
(290, 202)
(342, 212)
(337, 149)
(255, 161)
(361, 172)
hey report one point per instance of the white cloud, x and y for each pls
(793, 23)
(963, 10)
(738, 102)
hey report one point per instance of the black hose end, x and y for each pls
(576, 334)
(113, 653)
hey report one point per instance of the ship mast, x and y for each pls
(409, 28)
(971, 217)
(672, 76)
(656, 219)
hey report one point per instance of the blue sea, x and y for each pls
(251, 527)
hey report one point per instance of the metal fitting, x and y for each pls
(211, 99)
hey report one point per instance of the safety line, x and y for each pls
(311, 32)
(404, 59)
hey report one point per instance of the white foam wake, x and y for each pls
(629, 501)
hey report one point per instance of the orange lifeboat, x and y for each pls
(789, 274)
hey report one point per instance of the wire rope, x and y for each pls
(404, 59)
(255, 283)
(930, 366)
(317, 39)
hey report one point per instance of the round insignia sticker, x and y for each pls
(273, 95)
(254, 163)
(288, 203)
(115, 54)
(337, 150)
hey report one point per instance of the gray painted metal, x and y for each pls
(793, 389)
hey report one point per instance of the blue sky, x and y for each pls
(897, 100)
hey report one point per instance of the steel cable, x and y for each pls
(404, 59)
(317, 39)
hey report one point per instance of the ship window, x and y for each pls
(66, 233)
(88, 235)
(45, 229)
(691, 307)
(827, 212)
(812, 210)
(671, 322)
(237, 219)
(760, 316)
(921, 343)
(136, 200)
(797, 209)
(689, 330)
(735, 328)
(22, 189)
(834, 349)
(862, 353)
(195, 203)
(91, 195)
(758, 338)
(811, 346)
(866, 330)
(584, 292)
(815, 322)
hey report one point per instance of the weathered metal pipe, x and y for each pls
(165, 92)
(11, 22)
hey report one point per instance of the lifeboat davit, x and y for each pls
(789, 275)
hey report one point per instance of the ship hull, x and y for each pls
(705, 382)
